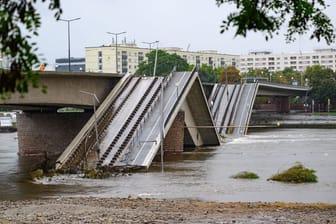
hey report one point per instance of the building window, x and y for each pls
(100, 60)
(222, 62)
(198, 61)
(140, 57)
(100, 54)
(210, 62)
(100, 67)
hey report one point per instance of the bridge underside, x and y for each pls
(63, 90)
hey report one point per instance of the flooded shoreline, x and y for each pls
(200, 175)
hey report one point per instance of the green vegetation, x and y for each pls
(209, 74)
(36, 174)
(165, 64)
(40, 173)
(19, 24)
(245, 175)
(323, 83)
(96, 174)
(230, 75)
(267, 17)
(296, 174)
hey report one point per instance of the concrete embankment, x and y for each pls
(302, 120)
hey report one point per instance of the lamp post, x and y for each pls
(94, 99)
(226, 81)
(156, 55)
(68, 21)
(150, 49)
(116, 46)
(150, 44)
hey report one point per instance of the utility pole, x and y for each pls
(116, 47)
(150, 49)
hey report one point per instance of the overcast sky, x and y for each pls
(175, 23)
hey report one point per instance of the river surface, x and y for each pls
(203, 174)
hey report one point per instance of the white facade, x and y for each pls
(297, 61)
(129, 56)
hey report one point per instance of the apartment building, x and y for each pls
(297, 61)
(129, 56)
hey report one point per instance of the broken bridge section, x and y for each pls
(231, 106)
(135, 118)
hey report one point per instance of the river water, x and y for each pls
(203, 174)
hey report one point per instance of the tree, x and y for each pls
(208, 73)
(165, 64)
(229, 74)
(287, 76)
(323, 83)
(17, 18)
(257, 73)
(267, 16)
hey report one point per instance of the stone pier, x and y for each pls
(47, 134)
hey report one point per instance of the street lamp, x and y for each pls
(150, 44)
(226, 81)
(116, 46)
(68, 21)
(94, 99)
(150, 49)
(156, 55)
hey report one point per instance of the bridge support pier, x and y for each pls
(174, 140)
(283, 104)
(47, 134)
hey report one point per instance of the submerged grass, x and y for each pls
(245, 175)
(296, 174)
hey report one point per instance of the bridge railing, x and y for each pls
(88, 127)
(284, 86)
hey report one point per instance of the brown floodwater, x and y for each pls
(202, 174)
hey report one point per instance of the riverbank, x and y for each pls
(142, 210)
(293, 120)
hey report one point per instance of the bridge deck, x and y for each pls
(130, 124)
(232, 106)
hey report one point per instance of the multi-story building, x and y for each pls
(76, 64)
(297, 61)
(129, 56)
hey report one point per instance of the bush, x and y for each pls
(36, 174)
(245, 175)
(296, 174)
